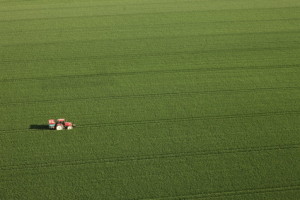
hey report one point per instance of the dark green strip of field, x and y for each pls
(173, 99)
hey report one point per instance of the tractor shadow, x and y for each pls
(39, 127)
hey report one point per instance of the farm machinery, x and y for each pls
(60, 124)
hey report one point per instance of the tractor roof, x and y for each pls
(60, 120)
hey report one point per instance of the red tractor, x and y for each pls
(60, 124)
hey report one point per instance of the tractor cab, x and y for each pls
(61, 121)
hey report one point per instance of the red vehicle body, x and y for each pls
(60, 124)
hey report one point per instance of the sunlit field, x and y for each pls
(173, 99)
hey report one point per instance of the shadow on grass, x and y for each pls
(39, 127)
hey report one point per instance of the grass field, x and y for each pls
(174, 99)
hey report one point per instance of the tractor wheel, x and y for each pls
(70, 127)
(59, 128)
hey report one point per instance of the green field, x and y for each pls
(173, 99)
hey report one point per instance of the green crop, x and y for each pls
(173, 99)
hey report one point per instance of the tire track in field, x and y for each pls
(149, 157)
(151, 95)
(171, 120)
(229, 193)
(135, 14)
(149, 54)
(84, 41)
(131, 27)
(140, 4)
(110, 5)
(165, 120)
(94, 6)
(171, 71)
